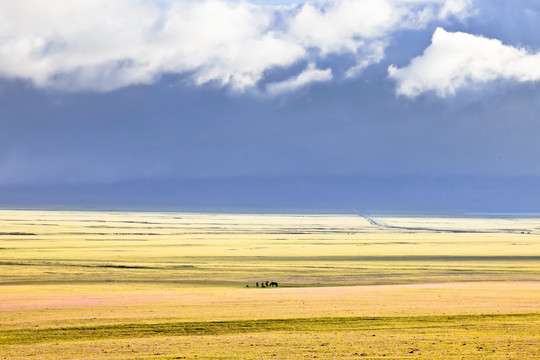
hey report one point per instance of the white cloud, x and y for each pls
(102, 45)
(458, 8)
(457, 60)
(310, 75)
(362, 27)
(346, 25)
(371, 54)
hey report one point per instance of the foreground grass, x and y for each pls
(96, 285)
(468, 337)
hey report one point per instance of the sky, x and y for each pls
(368, 104)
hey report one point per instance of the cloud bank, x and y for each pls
(102, 45)
(457, 60)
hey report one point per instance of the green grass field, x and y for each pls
(103, 285)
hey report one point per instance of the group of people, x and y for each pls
(265, 284)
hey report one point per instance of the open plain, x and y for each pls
(131, 285)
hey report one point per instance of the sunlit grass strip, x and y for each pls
(470, 322)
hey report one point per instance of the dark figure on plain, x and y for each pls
(262, 285)
(267, 284)
(273, 284)
(257, 284)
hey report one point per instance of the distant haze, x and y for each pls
(319, 195)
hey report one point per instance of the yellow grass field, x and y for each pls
(132, 285)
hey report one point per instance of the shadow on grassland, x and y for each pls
(470, 322)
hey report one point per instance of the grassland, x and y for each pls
(102, 285)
